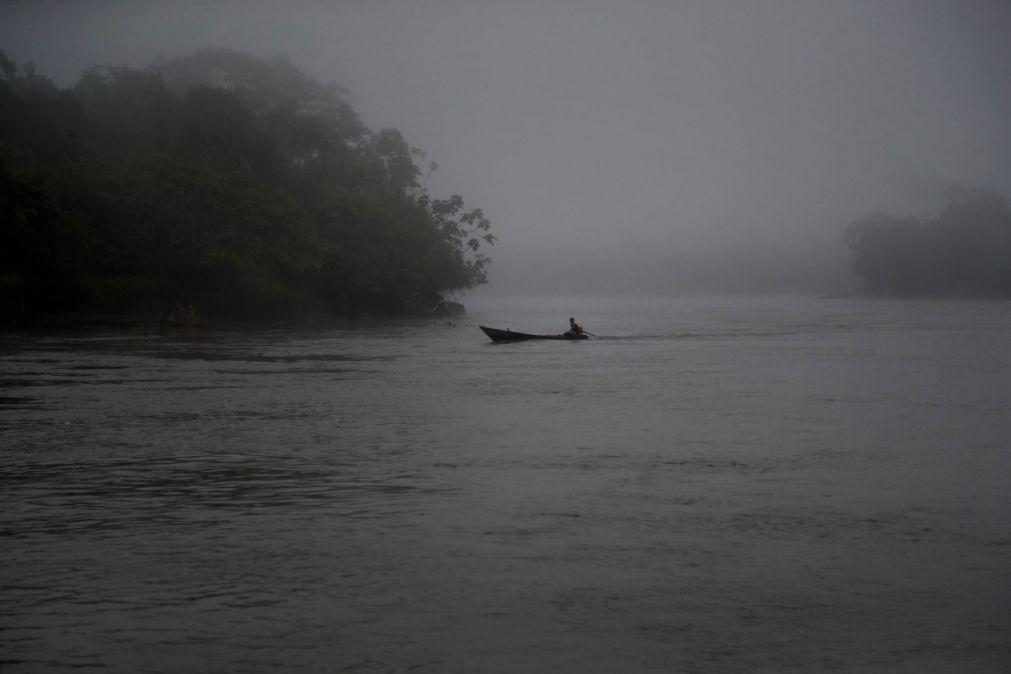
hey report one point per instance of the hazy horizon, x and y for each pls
(643, 146)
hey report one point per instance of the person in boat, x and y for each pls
(574, 328)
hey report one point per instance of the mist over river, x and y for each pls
(711, 485)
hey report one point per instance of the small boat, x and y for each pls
(510, 336)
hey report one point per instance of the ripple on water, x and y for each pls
(700, 496)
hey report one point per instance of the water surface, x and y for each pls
(711, 485)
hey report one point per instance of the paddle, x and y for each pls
(587, 332)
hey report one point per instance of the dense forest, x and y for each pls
(235, 185)
(964, 251)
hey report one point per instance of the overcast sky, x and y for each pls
(634, 144)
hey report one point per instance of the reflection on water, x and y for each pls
(707, 487)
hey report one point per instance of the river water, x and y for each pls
(720, 485)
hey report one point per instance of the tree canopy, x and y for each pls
(964, 251)
(235, 184)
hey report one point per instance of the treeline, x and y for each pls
(964, 251)
(237, 185)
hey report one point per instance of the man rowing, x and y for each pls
(574, 328)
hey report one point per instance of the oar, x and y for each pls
(585, 332)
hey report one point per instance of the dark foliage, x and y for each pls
(218, 180)
(964, 251)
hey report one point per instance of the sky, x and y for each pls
(626, 145)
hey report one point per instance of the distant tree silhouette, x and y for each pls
(965, 250)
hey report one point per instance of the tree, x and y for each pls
(218, 179)
(965, 250)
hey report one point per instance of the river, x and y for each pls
(710, 485)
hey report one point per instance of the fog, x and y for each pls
(648, 146)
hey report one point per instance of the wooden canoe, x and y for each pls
(497, 335)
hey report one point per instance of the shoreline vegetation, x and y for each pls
(217, 187)
(964, 252)
(222, 188)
